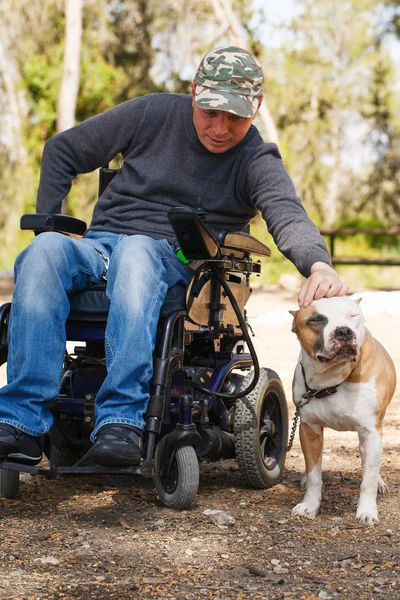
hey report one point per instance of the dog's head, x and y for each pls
(330, 329)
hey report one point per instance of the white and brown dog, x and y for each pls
(344, 380)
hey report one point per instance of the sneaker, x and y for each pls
(17, 446)
(117, 446)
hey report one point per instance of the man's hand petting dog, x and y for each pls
(322, 283)
(344, 380)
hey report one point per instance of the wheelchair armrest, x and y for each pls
(241, 241)
(41, 222)
(196, 240)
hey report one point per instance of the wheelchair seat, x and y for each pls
(92, 305)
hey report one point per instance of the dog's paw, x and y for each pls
(367, 517)
(383, 488)
(304, 510)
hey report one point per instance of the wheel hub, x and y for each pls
(269, 428)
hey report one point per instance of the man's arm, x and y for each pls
(293, 231)
(84, 148)
(323, 282)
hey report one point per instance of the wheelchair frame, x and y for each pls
(188, 419)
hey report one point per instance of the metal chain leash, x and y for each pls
(293, 432)
(306, 398)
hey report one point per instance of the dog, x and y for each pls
(344, 380)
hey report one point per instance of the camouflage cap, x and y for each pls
(229, 79)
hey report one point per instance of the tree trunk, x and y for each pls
(17, 168)
(71, 73)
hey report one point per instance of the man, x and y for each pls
(179, 150)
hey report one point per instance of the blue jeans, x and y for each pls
(140, 272)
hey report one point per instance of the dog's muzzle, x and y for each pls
(342, 346)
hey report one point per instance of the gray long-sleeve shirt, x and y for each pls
(166, 165)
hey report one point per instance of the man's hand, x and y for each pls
(322, 283)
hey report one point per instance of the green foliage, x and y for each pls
(100, 84)
(330, 93)
(42, 76)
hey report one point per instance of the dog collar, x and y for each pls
(312, 393)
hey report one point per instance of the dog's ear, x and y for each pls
(294, 313)
(358, 300)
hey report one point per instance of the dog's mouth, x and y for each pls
(345, 352)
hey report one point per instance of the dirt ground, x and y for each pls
(107, 537)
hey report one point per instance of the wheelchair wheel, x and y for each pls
(178, 488)
(9, 483)
(261, 430)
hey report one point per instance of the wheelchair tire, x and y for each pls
(9, 483)
(178, 489)
(261, 430)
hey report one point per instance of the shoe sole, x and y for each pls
(24, 458)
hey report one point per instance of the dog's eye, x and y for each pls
(317, 321)
(354, 316)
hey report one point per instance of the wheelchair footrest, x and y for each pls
(144, 469)
(15, 466)
(94, 469)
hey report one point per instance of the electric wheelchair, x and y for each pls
(209, 398)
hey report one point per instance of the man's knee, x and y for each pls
(137, 269)
(46, 248)
(135, 253)
(50, 243)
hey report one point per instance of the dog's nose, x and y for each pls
(344, 334)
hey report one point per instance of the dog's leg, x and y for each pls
(383, 487)
(371, 455)
(312, 439)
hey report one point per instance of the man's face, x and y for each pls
(218, 130)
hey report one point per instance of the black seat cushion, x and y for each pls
(91, 305)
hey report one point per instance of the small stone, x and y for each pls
(219, 517)
(280, 570)
(275, 561)
(226, 556)
(189, 552)
(48, 560)
(257, 570)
